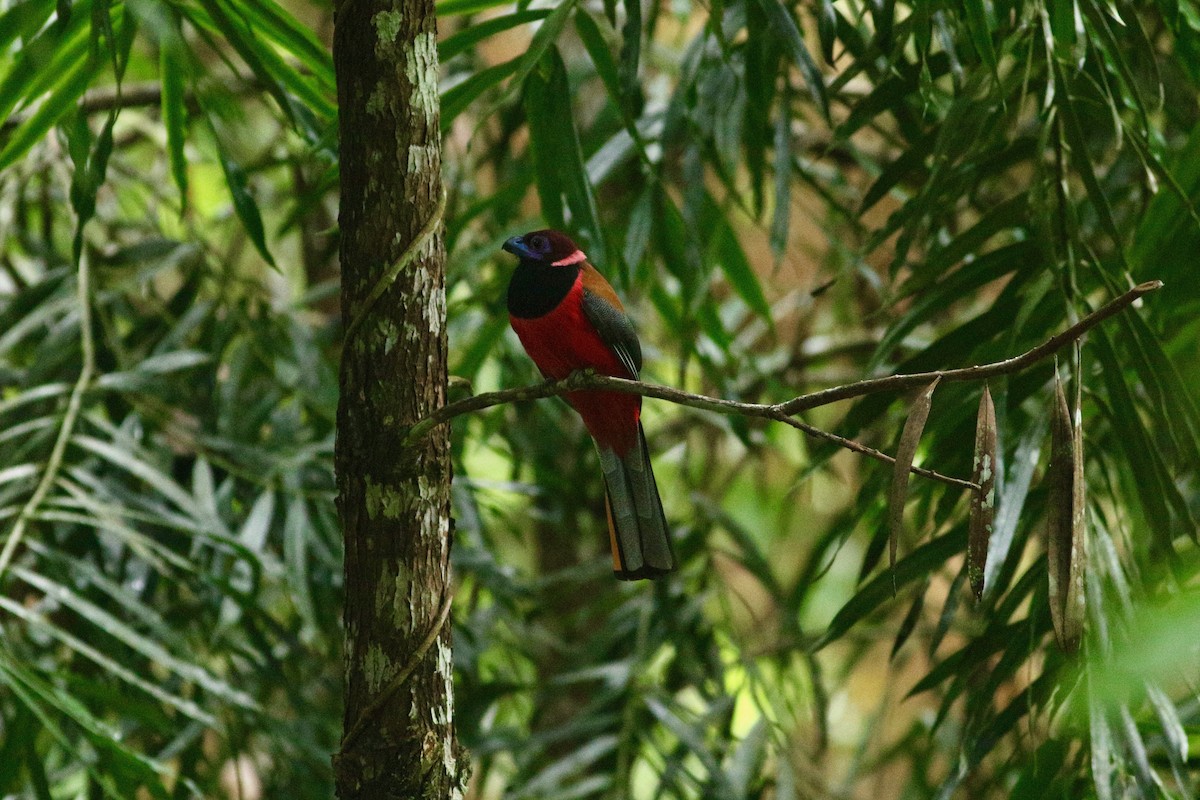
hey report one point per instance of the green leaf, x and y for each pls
(738, 272)
(783, 179)
(267, 66)
(174, 116)
(456, 99)
(42, 63)
(131, 463)
(692, 737)
(908, 162)
(542, 42)
(447, 8)
(980, 26)
(1012, 502)
(270, 19)
(934, 300)
(827, 29)
(22, 21)
(929, 556)
(472, 34)
(1148, 473)
(783, 24)
(631, 53)
(36, 694)
(244, 204)
(601, 55)
(89, 650)
(568, 201)
(60, 103)
(1081, 159)
(297, 528)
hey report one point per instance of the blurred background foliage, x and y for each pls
(790, 197)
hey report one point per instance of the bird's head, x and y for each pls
(549, 248)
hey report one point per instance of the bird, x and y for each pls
(568, 318)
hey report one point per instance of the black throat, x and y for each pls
(536, 289)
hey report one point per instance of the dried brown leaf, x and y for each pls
(983, 502)
(910, 437)
(1064, 522)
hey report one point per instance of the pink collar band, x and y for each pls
(574, 258)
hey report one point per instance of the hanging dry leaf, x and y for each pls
(909, 438)
(1076, 600)
(1064, 522)
(983, 502)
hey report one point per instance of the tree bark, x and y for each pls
(394, 500)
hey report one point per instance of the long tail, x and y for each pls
(637, 526)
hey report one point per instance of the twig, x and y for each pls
(401, 677)
(134, 95)
(783, 412)
(70, 416)
(389, 275)
(979, 373)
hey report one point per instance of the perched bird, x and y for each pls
(569, 318)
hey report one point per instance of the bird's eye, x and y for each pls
(538, 243)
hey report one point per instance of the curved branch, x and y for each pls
(784, 412)
(982, 372)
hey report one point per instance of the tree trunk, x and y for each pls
(394, 501)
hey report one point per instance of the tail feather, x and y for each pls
(638, 528)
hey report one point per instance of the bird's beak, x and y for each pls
(516, 246)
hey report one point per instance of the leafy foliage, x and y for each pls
(790, 196)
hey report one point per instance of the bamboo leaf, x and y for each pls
(1011, 502)
(244, 204)
(472, 34)
(456, 99)
(827, 29)
(980, 26)
(738, 271)
(784, 25)
(88, 650)
(909, 623)
(542, 42)
(264, 62)
(599, 52)
(174, 116)
(43, 62)
(568, 201)
(22, 21)
(268, 18)
(919, 563)
(983, 502)
(783, 180)
(910, 437)
(631, 53)
(448, 8)
(60, 102)
(40, 696)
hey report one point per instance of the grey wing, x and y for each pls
(615, 329)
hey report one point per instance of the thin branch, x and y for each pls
(70, 416)
(1006, 367)
(143, 94)
(784, 412)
